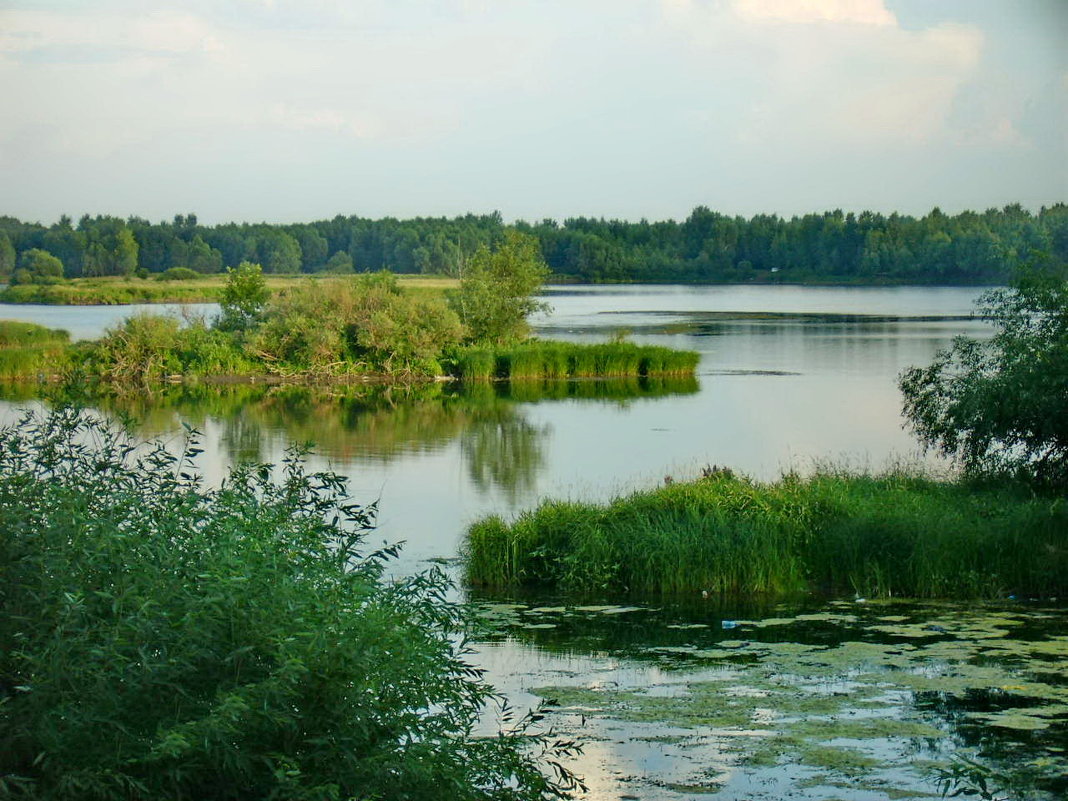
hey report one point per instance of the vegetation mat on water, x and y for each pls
(896, 534)
(159, 639)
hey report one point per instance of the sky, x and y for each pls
(296, 110)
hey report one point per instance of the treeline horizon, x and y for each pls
(707, 247)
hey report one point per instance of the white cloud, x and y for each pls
(859, 12)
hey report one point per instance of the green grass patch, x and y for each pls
(16, 334)
(28, 350)
(541, 359)
(897, 534)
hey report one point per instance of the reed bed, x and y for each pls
(542, 359)
(891, 535)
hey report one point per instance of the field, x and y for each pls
(118, 290)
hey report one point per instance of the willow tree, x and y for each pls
(499, 287)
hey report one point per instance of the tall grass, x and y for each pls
(539, 359)
(896, 534)
(28, 350)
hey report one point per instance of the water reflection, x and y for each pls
(502, 449)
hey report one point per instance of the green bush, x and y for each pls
(360, 324)
(159, 639)
(178, 274)
(148, 347)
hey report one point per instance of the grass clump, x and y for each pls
(546, 359)
(895, 534)
(31, 350)
(159, 639)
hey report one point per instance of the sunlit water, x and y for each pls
(789, 378)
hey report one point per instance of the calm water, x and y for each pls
(807, 382)
(789, 378)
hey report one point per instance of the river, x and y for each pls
(809, 699)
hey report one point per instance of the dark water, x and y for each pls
(789, 378)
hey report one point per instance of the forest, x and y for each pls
(707, 247)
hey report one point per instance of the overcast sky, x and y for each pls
(291, 110)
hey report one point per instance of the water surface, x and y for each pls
(671, 704)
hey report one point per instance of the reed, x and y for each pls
(897, 534)
(542, 359)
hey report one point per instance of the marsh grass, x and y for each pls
(898, 534)
(31, 350)
(545, 359)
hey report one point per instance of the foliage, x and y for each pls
(244, 297)
(165, 640)
(178, 274)
(7, 256)
(17, 334)
(498, 288)
(365, 322)
(1002, 404)
(37, 267)
(340, 263)
(897, 534)
(541, 359)
(148, 347)
(31, 351)
(831, 246)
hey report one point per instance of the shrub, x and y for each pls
(244, 297)
(178, 274)
(38, 266)
(159, 639)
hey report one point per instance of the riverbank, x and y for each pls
(121, 290)
(898, 534)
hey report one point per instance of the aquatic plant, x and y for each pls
(897, 534)
(548, 359)
(160, 639)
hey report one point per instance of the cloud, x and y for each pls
(857, 12)
(856, 79)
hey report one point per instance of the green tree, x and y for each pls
(340, 262)
(244, 297)
(201, 256)
(38, 266)
(160, 639)
(7, 256)
(498, 289)
(1002, 404)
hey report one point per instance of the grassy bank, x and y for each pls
(118, 290)
(541, 359)
(30, 350)
(897, 534)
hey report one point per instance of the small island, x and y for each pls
(360, 327)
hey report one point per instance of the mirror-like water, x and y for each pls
(789, 377)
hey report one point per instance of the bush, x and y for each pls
(355, 324)
(162, 640)
(148, 347)
(244, 297)
(38, 266)
(178, 274)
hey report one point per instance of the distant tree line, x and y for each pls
(708, 246)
